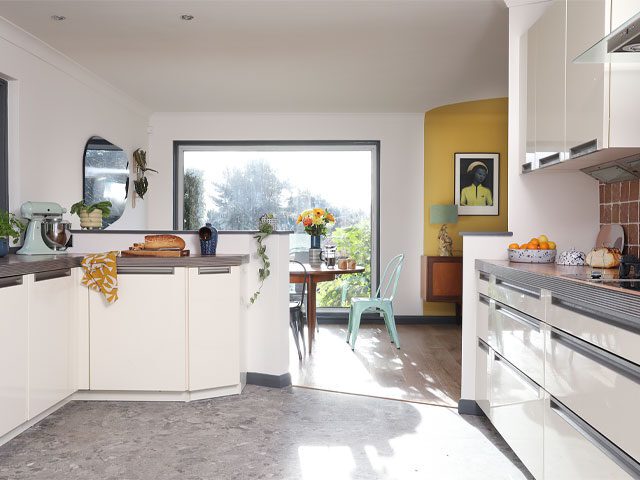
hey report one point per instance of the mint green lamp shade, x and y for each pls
(443, 214)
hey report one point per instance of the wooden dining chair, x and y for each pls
(296, 315)
(382, 301)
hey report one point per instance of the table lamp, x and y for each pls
(443, 214)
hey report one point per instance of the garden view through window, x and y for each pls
(231, 186)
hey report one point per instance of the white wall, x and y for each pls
(54, 107)
(401, 177)
(564, 206)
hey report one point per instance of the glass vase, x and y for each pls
(315, 241)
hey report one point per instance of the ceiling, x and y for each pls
(282, 56)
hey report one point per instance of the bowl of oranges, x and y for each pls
(536, 250)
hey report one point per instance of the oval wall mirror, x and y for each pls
(106, 176)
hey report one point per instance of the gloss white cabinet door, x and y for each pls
(51, 310)
(517, 412)
(573, 449)
(484, 356)
(13, 353)
(139, 342)
(586, 25)
(214, 327)
(550, 33)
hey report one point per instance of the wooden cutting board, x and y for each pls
(155, 253)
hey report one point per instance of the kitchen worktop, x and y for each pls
(562, 281)
(12, 264)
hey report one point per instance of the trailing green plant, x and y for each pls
(10, 226)
(264, 272)
(104, 207)
(141, 184)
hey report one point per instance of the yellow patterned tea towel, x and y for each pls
(101, 274)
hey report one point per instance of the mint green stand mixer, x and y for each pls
(47, 233)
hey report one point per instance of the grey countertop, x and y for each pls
(13, 265)
(485, 234)
(602, 297)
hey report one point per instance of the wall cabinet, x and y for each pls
(139, 342)
(51, 307)
(13, 353)
(214, 327)
(575, 109)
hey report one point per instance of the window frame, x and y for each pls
(4, 144)
(180, 146)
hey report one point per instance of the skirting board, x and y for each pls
(342, 319)
(153, 396)
(469, 407)
(266, 380)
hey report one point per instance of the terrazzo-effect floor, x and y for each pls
(291, 433)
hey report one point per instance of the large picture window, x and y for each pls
(4, 147)
(231, 184)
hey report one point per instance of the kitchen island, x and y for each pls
(177, 332)
(557, 368)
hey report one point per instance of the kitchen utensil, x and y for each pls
(572, 257)
(208, 239)
(532, 256)
(46, 233)
(611, 236)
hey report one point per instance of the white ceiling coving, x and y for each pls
(282, 56)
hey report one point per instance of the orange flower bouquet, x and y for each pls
(315, 221)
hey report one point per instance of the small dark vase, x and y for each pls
(208, 239)
(4, 246)
(315, 241)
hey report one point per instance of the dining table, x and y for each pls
(316, 275)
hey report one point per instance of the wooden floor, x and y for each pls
(426, 369)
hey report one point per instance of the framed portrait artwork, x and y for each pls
(477, 182)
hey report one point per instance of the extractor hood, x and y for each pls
(617, 171)
(620, 46)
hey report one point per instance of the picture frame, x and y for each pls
(477, 193)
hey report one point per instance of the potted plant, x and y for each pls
(91, 215)
(266, 229)
(10, 226)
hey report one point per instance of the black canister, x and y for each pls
(208, 240)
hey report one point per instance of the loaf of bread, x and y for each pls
(604, 258)
(156, 242)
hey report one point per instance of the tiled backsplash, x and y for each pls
(620, 203)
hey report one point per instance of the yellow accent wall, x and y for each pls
(479, 126)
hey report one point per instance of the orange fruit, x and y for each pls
(533, 246)
(524, 246)
(544, 246)
(534, 241)
(552, 245)
(514, 246)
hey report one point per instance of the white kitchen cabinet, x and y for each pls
(586, 25)
(214, 327)
(51, 310)
(549, 73)
(625, 77)
(13, 353)
(484, 356)
(517, 412)
(139, 342)
(530, 137)
(573, 450)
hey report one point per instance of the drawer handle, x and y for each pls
(598, 355)
(518, 288)
(483, 276)
(10, 281)
(519, 373)
(550, 160)
(146, 270)
(213, 270)
(611, 450)
(483, 346)
(483, 299)
(518, 317)
(42, 276)
(584, 148)
(526, 167)
(627, 324)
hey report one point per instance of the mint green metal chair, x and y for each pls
(382, 301)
